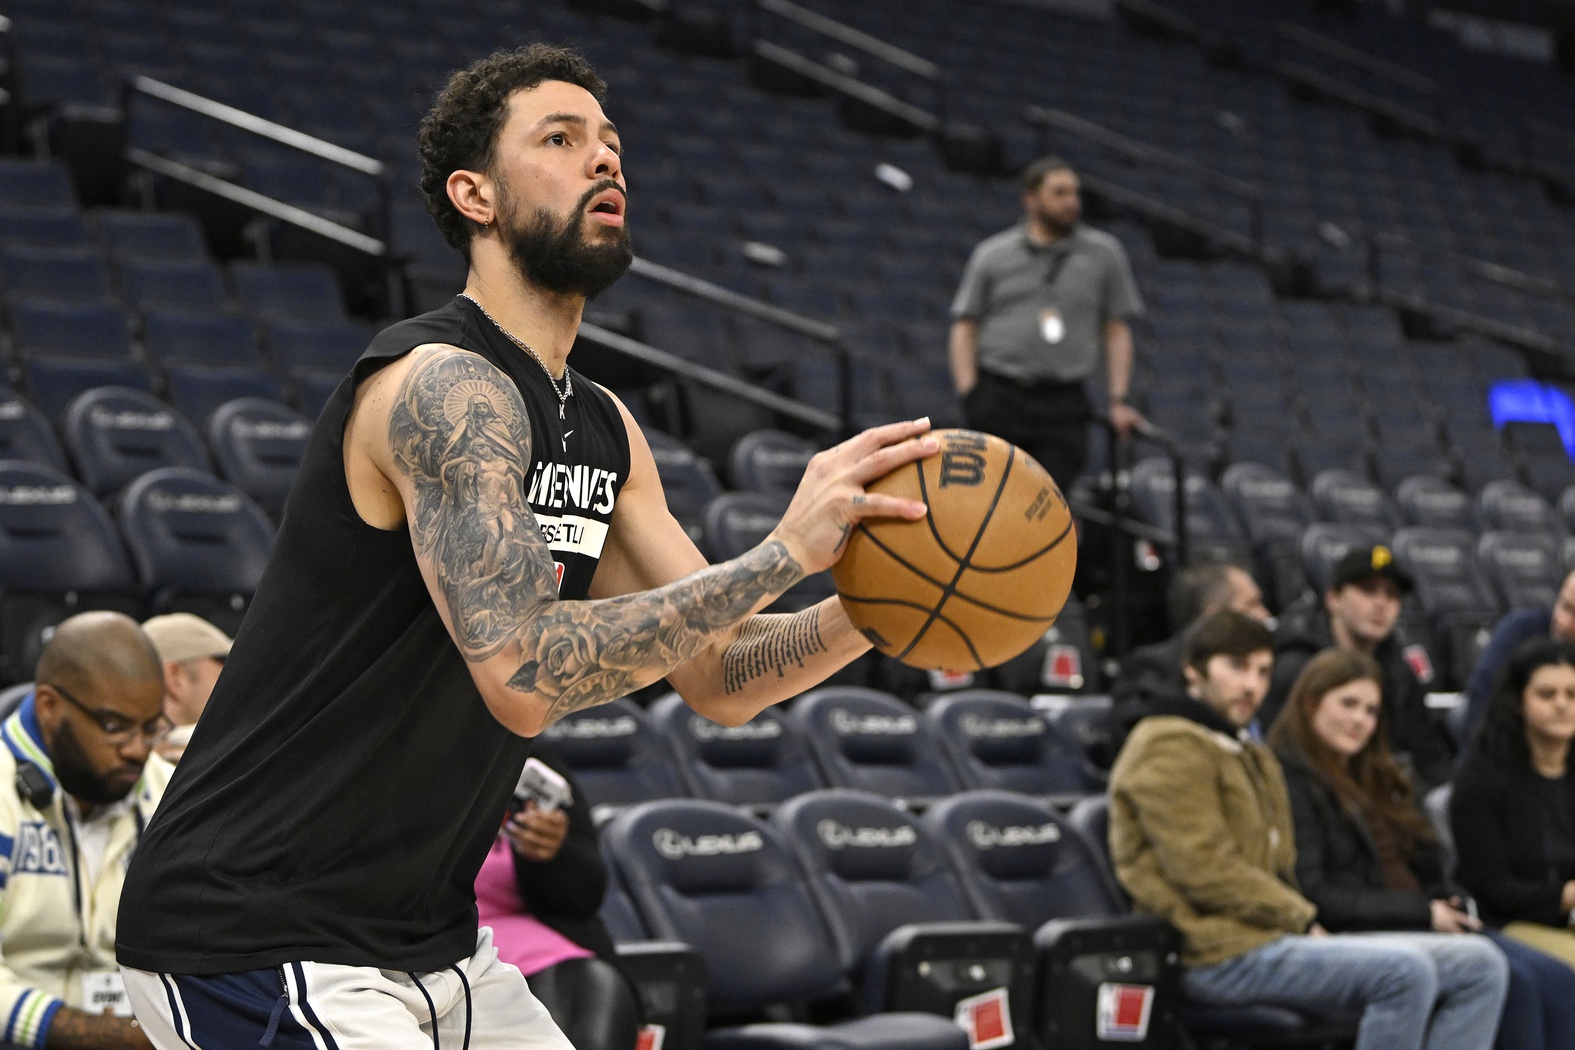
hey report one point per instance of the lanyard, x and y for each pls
(1057, 264)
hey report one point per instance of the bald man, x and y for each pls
(78, 781)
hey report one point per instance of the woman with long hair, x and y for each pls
(1513, 807)
(1367, 857)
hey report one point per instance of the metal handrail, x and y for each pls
(1484, 268)
(1251, 192)
(1334, 87)
(852, 87)
(846, 34)
(1158, 209)
(828, 335)
(1380, 67)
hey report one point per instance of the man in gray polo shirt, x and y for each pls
(1037, 305)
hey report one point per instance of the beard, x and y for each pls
(560, 257)
(76, 774)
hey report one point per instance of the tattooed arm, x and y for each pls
(449, 432)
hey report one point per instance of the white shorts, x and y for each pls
(480, 1003)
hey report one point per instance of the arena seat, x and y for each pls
(59, 555)
(1524, 568)
(1275, 513)
(292, 291)
(996, 740)
(197, 391)
(25, 433)
(1508, 505)
(47, 327)
(219, 340)
(36, 184)
(53, 382)
(42, 227)
(115, 434)
(618, 755)
(757, 764)
(151, 235)
(1324, 543)
(735, 522)
(312, 391)
(324, 347)
(1435, 503)
(1345, 498)
(178, 284)
(872, 741)
(258, 445)
(769, 461)
(199, 544)
(1459, 602)
(72, 274)
(699, 872)
(1212, 530)
(898, 909)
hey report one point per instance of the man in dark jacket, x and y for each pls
(1359, 612)
(1516, 628)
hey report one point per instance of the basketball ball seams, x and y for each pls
(1040, 553)
(906, 604)
(963, 562)
(899, 559)
(929, 519)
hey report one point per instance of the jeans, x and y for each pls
(1539, 1013)
(1414, 990)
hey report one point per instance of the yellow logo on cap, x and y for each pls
(1381, 557)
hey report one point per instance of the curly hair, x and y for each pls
(1372, 781)
(1502, 734)
(460, 131)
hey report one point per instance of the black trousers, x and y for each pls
(1048, 420)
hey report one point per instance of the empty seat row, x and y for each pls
(842, 736)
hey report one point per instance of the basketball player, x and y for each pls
(476, 545)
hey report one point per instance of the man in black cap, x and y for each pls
(1359, 612)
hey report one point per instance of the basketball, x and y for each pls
(981, 577)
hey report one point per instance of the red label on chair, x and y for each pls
(987, 1019)
(1063, 667)
(1123, 1012)
(940, 680)
(650, 1037)
(1421, 663)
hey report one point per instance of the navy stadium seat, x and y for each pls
(115, 434)
(313, 391)
(759, 763)
(294, 291)
(1524, 568)
(45, 227)
(618, 756)
(1212, 530)
(769, 461)
(885, 882)
(197, 390)
(54, 382)
(325, 347)
(258, 445)
(73, 274)
(996, 740)
(1274, 513)
(172, 284)
(1507, 504)
(699, 872)
(1324, 543)
(151, 235)
(735, 522)
(25, 433)
(59, 555)
(1460, 604)
(219, 340)
(872, 741)
(1435, 503)
(1346, 498)
(35, 184)
(82, 330)
(199, 544)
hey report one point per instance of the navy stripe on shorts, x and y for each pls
(235, 1009)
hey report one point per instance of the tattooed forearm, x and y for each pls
(769, 645)
(460, 435)
(87, 1031)
(585, 653)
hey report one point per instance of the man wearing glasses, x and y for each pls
(78, 781)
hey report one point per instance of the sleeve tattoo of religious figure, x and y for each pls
(460, 434)
(770, 645)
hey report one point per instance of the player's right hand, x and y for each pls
(831, 498)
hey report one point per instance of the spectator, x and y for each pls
(1037, 306)
(1359, 613)
(1201, 835)
(1513, 805)
(1515, 629)
(540, 889)
(192, 651)
(1151, 674)
(1367, 857)
(77, 783)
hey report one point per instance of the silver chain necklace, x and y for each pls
(564, 392)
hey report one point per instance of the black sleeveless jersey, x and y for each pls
(346, 779)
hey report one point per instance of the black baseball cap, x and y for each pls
(1359, 563)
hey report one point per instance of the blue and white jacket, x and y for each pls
(54, 926)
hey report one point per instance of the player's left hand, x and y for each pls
(1125, 419)
(535, 835)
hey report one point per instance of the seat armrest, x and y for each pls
(928, 967)
(670, 978)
